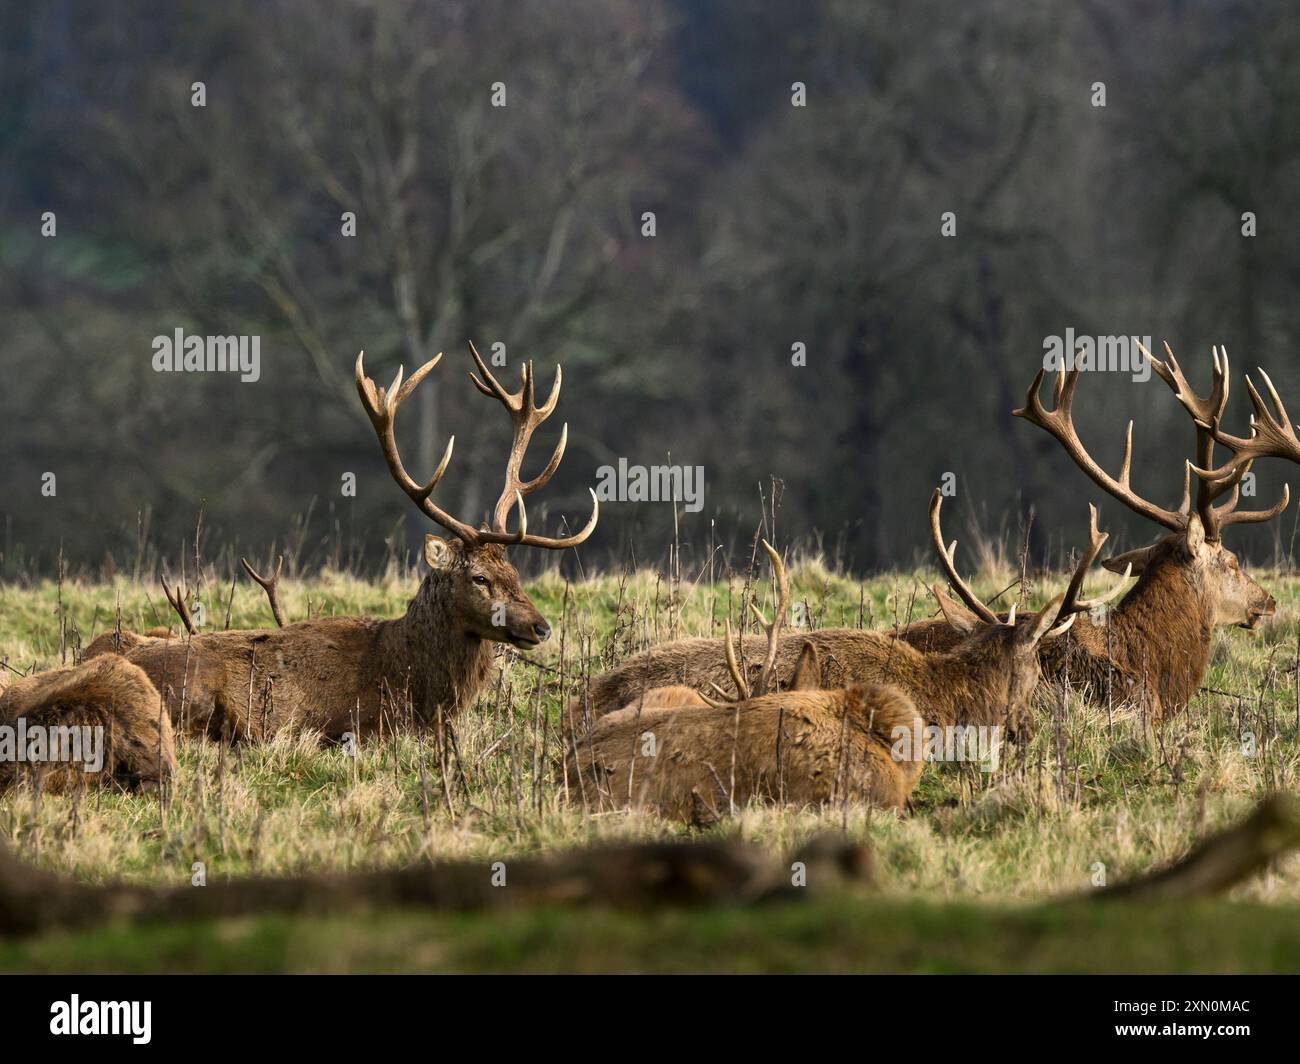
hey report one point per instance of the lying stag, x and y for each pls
(1152, 648)
(846, 656)
(340, 674)
(682, 754)
(134, 744)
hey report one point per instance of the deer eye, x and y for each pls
(481, 580)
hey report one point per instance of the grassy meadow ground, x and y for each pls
(960, 878)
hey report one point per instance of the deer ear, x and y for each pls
(1195, 533)
(954, 612)
(437, 551)
(807, 670)
(1117, 563)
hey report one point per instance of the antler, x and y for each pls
(1059, 423)
(773, 629)
(525, 416)
(1271, 436)
(946, 555)
(179, 604)
(1207, 414)
(972, 600)
(381, 407)
(1074, 604)
(271, 587)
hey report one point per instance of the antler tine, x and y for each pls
(1059, 424)
(946, 556)
(733, 667)
(1185, 506)
(774, 626)
(1206, 413)
(1062, 628)
(1272, 434)
(1096, 539)
(525, 416)
(492, 389)
(271, 587)
(179, 604)
(1250, 517)
(381, 407)
(1072, 603)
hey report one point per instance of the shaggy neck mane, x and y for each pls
(1161, 630)
(447, 665)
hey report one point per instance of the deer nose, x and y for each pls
(542, 631)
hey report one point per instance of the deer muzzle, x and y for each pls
(1257, 614)
(528, 632)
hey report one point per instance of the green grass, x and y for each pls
(845, 934)
(962, 878)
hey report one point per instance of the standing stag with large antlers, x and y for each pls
(339, 674)
(1153, 646)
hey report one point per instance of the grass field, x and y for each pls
(962, 878)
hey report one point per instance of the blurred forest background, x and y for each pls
(522, 225)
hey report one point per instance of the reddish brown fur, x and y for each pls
(108, 692)
(340, 674)
(334, 674)
(1152, 648)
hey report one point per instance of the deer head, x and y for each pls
(474, 582)
(1193, 543)
(1014, 646)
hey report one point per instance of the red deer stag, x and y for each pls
(846, 655)
(1153, 646)
(338, 674)
(132, 744)
(686, 756)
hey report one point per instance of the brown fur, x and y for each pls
(678, 696)
(806, 747)
(1152, 648)
(973, 682)
(833, 745)
(123, 642)
(339, 674)
(108, 692)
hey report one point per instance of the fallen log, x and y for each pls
(627, 875)
(1223, 860)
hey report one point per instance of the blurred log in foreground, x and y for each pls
(1223, 860)
(628, 875)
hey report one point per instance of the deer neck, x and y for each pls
(959, 688)
(429, 648)
(1162, 629)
